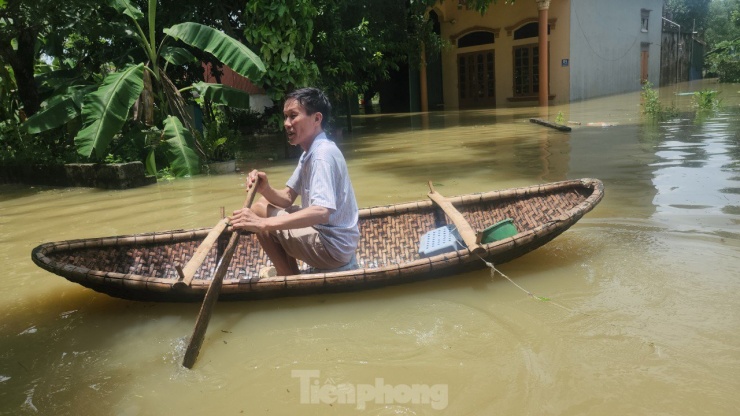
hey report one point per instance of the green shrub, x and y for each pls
(724, 60)
(706, 100)
(560, 119)
(652, 106)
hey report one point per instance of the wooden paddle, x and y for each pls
(463, 227)
(187, 273)
(214, 289)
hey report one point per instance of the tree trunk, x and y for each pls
(349, 112)
(22, 61)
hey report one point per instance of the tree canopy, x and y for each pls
(690, 14)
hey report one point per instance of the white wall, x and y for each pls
(605, 44)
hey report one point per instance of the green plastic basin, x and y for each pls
(499, 231)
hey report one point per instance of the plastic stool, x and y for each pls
(440, 240)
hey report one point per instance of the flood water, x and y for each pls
(643, 316)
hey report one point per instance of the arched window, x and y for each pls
(475, 39)
(530, 30)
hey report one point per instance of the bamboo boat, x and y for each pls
(143, 266)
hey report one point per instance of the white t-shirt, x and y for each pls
(321, 178)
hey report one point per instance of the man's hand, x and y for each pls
(252, 178)
(246, 220)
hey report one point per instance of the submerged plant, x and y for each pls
(652, 106)
(650, 101)
(560, 118)
(706, 100)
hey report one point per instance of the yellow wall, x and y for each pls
(454, 21)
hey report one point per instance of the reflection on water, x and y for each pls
(704, 158)
(648, 282)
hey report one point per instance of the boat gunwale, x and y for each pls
(236, 287)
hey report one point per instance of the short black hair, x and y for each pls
(314, 101)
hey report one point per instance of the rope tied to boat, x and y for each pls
(494, 270)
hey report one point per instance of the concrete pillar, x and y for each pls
(423, 80)
(543, 6)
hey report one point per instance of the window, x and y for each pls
(530, 30)
(462, 79)
(644, 20)
(526, 70)
(475, 39)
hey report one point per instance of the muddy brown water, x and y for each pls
(642, 316)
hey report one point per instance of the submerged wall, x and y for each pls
(90, 175)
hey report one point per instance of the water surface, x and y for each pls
(642, 316)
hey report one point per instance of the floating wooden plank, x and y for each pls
(546, 123)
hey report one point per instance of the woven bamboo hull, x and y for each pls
(142, 266)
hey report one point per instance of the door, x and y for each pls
(476, 80)
(644, 60)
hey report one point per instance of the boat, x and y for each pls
(145, 266)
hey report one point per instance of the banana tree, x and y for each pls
(145, 92)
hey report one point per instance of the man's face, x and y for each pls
(300, 127)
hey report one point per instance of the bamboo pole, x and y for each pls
(463, 227)
(214, 289)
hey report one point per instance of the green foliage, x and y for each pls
(9, 104)
(182, 157)
(220, 140)
(358, 45)
(282, 32)
(706, 100)
(652, 106)
(105, 110)
(724, 60)
(58, 110)
(222, 94)
(20, 148)
(650, 100)
(690, 14)
(145, 91)
(560, 119)
(723, 22)
(230, 51)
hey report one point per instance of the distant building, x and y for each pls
(595, 48)
(258, 100)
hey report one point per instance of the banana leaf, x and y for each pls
(227, 49)
(105, 110)
(58, 111)
(183, 159)
(151, 163)
(222, 94)
(125, 7)
(177, 56)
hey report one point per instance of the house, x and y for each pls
(592, 48)
(258, 99)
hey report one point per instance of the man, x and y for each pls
(323, 231)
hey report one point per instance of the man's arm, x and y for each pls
(280, 198)
(247, 220)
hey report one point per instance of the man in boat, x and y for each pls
(323, 231)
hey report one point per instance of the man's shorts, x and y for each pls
(304, 244)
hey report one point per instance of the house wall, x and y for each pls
(456, 22)
(258, 99)
(606, 41)
(595, 47)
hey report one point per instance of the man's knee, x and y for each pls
(261, 207)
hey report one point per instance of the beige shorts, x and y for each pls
(304, 243)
